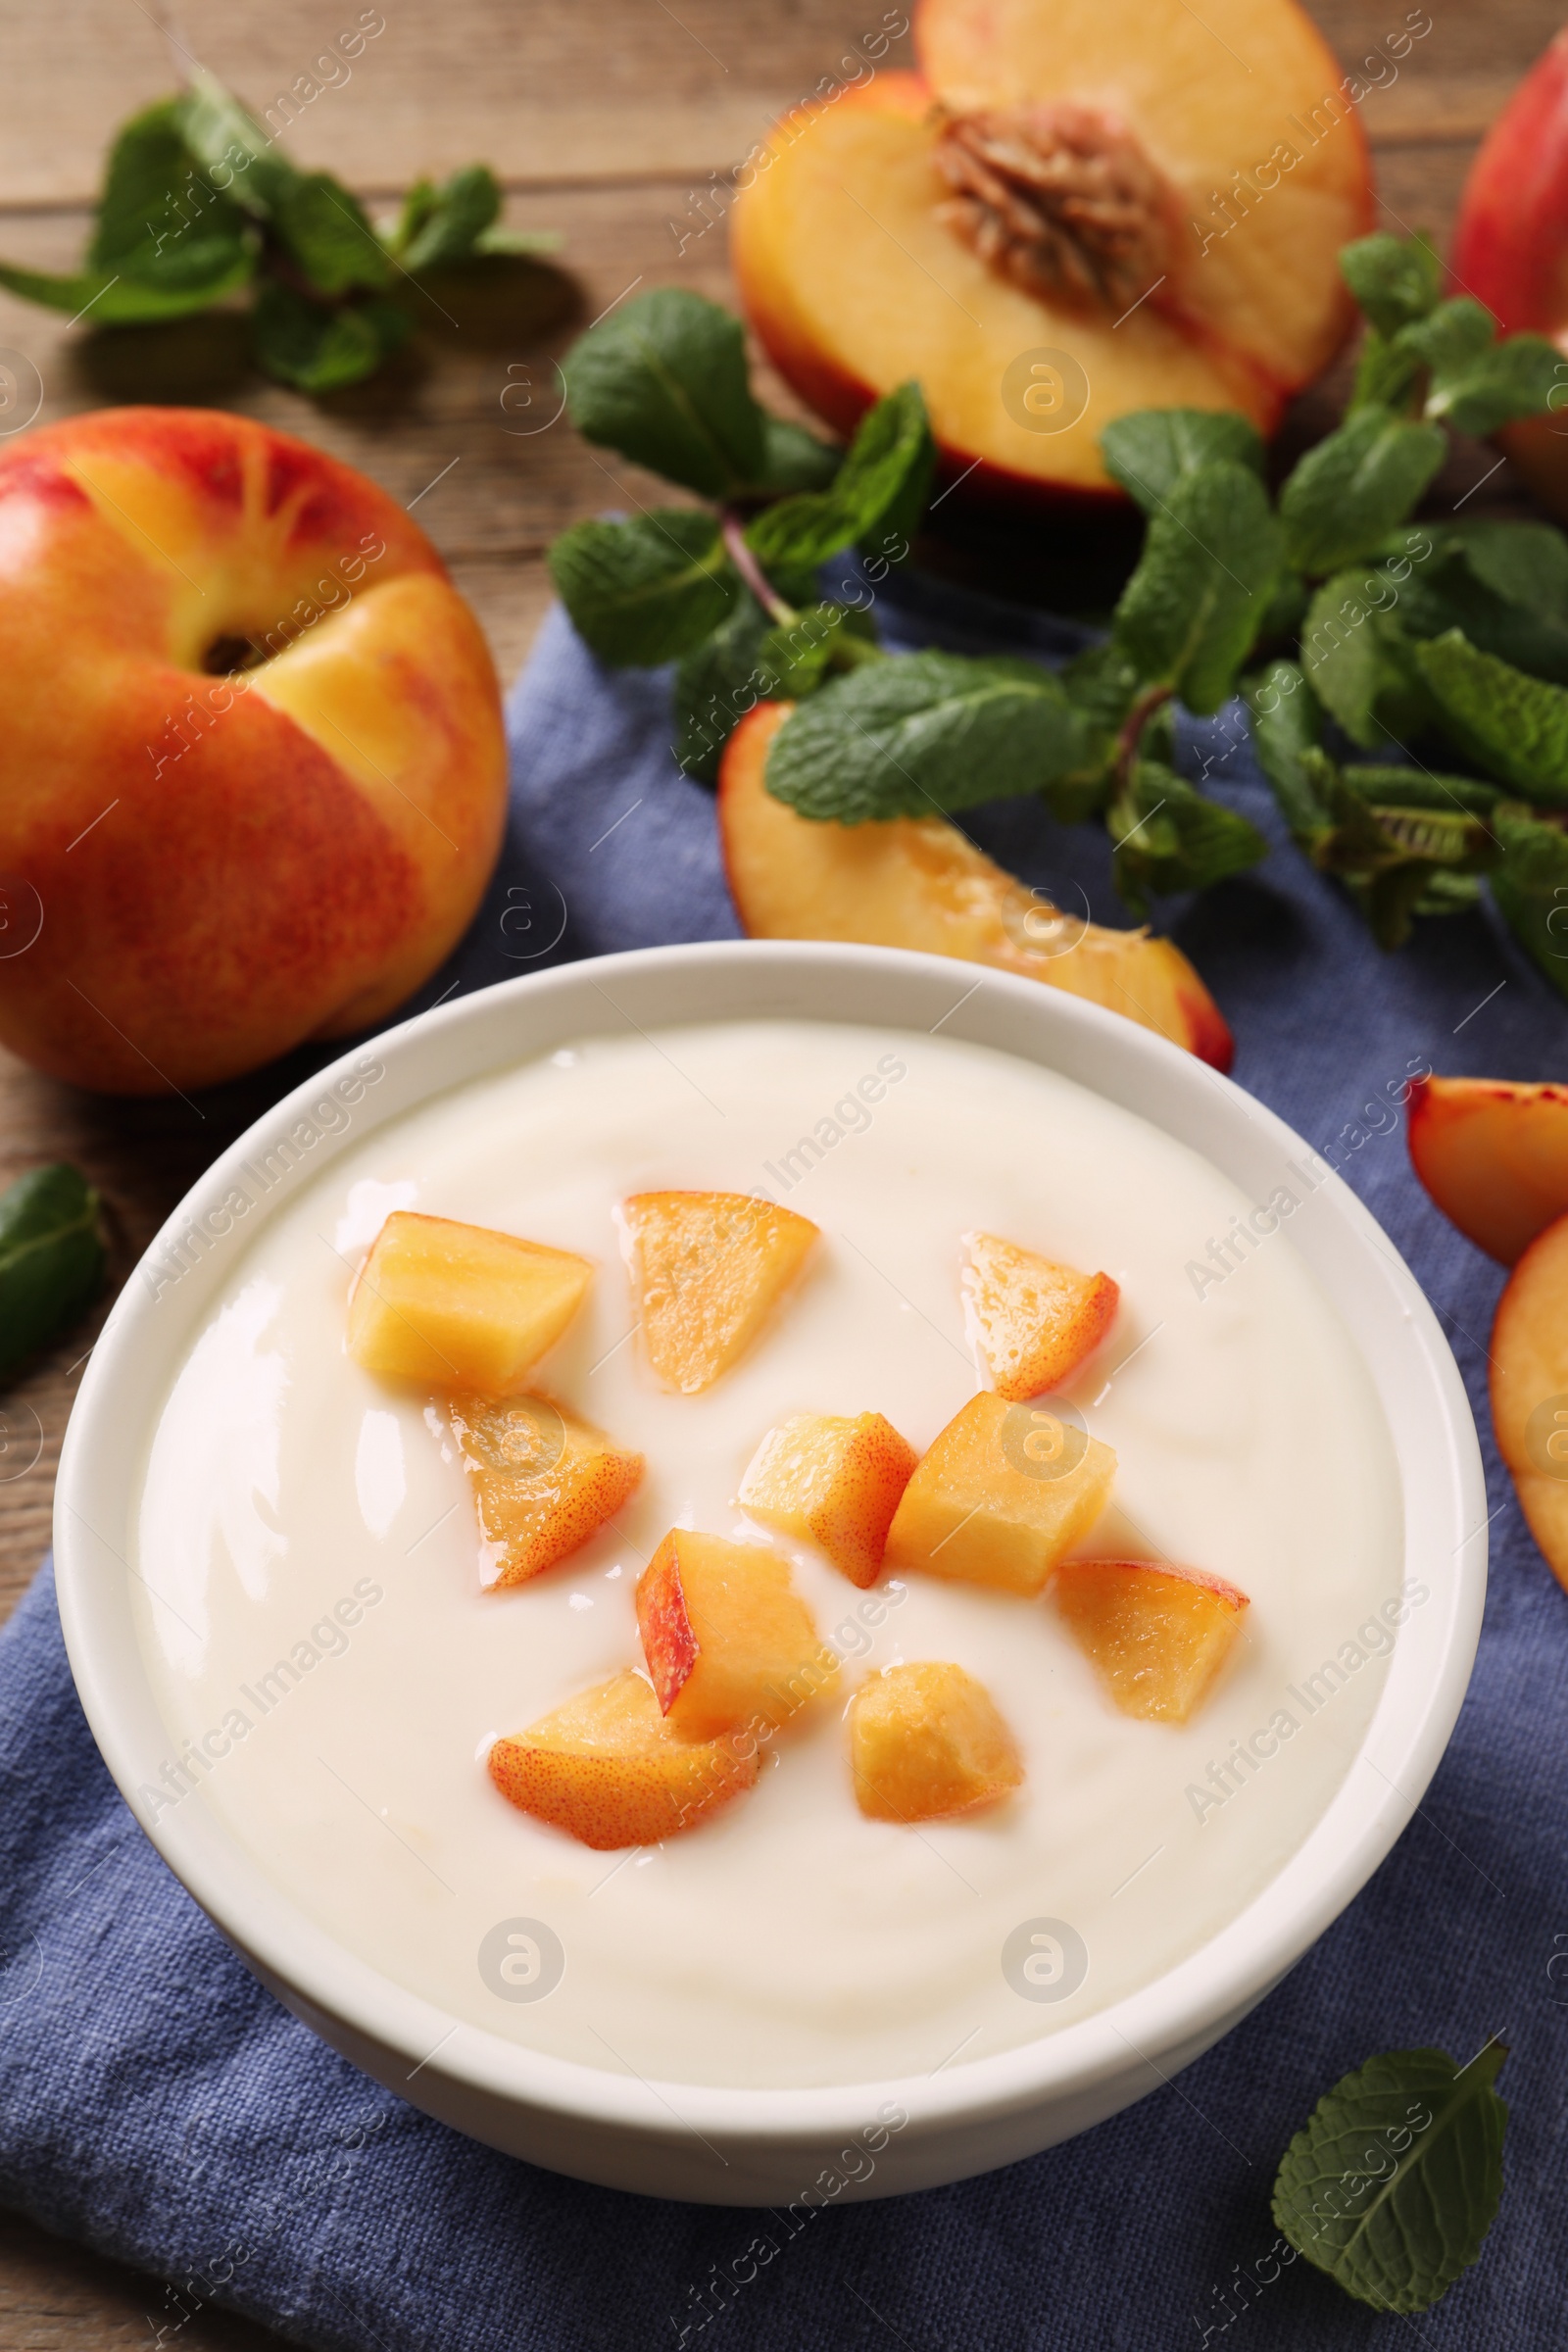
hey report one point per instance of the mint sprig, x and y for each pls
(1394, 2182)
(200, 205)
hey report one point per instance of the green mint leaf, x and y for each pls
(1452, 338)
(1388, 374)
(1418, 788)
(1168, 837)
(326, 232)
(663, 380)
(1511, 724)
(1530, 885)
(131, 303)
(1151, 452)
(160, 224)
(717, 684)
(890, 452)
(925, 733)
(1515, 378)
(1394, 2182)
(1450, 893)
(320, 349)
(1194, 606)
(450, 220)
(1526, 563)
(1504, 585)
(1102, 682)
(238, 155)
(1396, 281)
(1286, 723)
(820, 642)
(1356, 659)
(1348, 493)
(51, 1257)
(794, 459)
(644, 591)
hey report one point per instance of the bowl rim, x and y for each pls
(1177, 2013)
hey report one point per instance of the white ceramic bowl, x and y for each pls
(746, 2146)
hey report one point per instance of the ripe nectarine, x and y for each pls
(610, 1771)
(926, 1741)
(1155, 1634)
(730, 1641)
(834, 1480)
(1005, 1490)
(1035, 1320)
(1076, 209)
(916, 882)
(706, 1270)
(543, 1479)
(1494, 1154)
(255, 768)
(1530, 1389)
(448, 1304)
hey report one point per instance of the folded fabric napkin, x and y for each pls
(157, 2103)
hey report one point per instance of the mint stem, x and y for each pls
(751, 571)
(1132, 728)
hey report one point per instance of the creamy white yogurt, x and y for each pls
(328, 1662)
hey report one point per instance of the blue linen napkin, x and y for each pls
(157, 2103)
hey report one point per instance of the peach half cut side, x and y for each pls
(729, 1643)
(1034, 1321)
(609, 1770)
(544, 1482)
(1155, 1634)
(1530, 1390)
(834, 1480)
(1232, 146)
(461, 1305)
(928, 1742)
(916, 882)
(1492, 1152)
(706, 1272)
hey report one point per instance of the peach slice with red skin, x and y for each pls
(461, 1305)
(544, 1481)
(609, 1770)
(917, 882)
(1035, 1320)
(706, 1270)
(926, 1742)
(1530, 1390)
(1493, 1156)
(835, 1481)
(1079, 185)
(1005, 1490)
(730, 1641)
(1155, 1634)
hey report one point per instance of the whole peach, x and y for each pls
(254, 767)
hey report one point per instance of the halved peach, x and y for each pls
(730, 1641)
(1494, 1154)
(461, 1305)
(1005, 1490)
(1035, 1320)
(927, 1741)
(1073, 212)
(609, 1770)
(1530, 1390)
(544, 1481)
(835, 1481)
(1156, 1636)
(706, 1269)
(917, 882)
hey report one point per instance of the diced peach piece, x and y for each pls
(1035, 1320)
(1494, 1154)
(608, 1769)
(461, 1305)
(834, 1480)
(1530, 1390)
(1005, 1490)
(926, 1741)
(1156, 1636)
(706, 1269)
(543, 1479)
(730, 1641)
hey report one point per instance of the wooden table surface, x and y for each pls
(601, 118)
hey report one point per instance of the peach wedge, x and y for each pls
(834, 1481)
(1005, 1490)
(1493, 1156)
(461, 1305)
(706, 1269)
(1035, 1321)
(730, 1641)
(917, 882)
(608, 1769)
(926, 1741)
(1530, 1390)
(543, 1479)
(1156, 1636)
